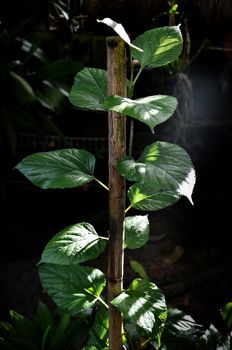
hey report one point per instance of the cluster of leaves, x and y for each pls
(34, 86)
(161, 176)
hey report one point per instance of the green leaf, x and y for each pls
(144, 304)
(151, 197)
(213, 339)
(226, 313)
(43, 317)
(73, 245)
(58, 169)
(136, 231)
(151, 110)
(139, 269)
(160, 46)
(118, 28)
(20, 89)
(58, 337)
(59, 69)
(162, 162)
(180, 330)
(90, 89)
(98, 337)
(74, 289)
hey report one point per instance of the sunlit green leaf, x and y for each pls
(160, 46)
(90, 89)
(163, 163)
(73, 245)
(58, 169)
(144, 304)
(136, 231)
(118, 28)
(151, 110)
(151, 196)
(73, 288)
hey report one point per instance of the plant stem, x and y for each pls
(97, 297)
(101, 183)
(116, 67)
(128, 208)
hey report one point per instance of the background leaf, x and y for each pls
(73, 245)
(73, 288)
(98, 337)
(90, 89)
(160, 46)
(144, 304)
(136, 231)
(151, 110)
(58, 169)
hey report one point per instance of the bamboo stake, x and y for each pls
(116, 67)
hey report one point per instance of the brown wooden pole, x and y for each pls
(116, 67)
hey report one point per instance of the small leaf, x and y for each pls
(139, 269)
(90, 89)
(162, 162)
(151, 110)
(73, 245)
(43, 317)
(136, 231)
(151, 197)
(65, 168)
(144, 304)
(160, 46)
(118, 28)
(226, 313)
(73, 288)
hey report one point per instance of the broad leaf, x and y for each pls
(73, 245)
(162, 162)
(98, 337)
(59, 69)
(90, 89)
(160, 46)
(144, 304)
(73, 288)
(151, 110)
(213, 339)
(58, 169)
(136, 231)
(118, 28)
(180, 330)
(151, 197)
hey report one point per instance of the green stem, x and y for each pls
(137, 76)
(128, 208)
(101, 183)
(97, 297)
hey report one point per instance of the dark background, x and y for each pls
(189, 253)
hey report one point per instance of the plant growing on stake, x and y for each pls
(161, 176)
